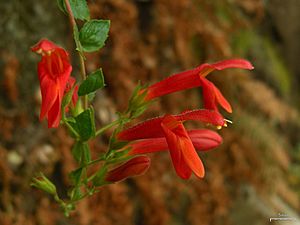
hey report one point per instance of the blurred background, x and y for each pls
(252, 176)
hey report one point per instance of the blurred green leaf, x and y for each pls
(75, 176)
(98, 179)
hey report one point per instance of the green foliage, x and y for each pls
(93, 82)
(81, 153)
(79, 8)
(85, 124)
(75, 176)
(98, 179)
(93, 34)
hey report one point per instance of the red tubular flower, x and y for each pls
(195, 78)
(168, 132)
(53, 71)
(133, 167)
(152, 128)
(202, 140)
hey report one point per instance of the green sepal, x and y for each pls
(137, 103)
(93, 34)
(79, 8)
(43, 183)
(93, 82)
(98, 179)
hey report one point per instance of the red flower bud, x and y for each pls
(134, 167)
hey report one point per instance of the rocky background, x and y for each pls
(253, 176)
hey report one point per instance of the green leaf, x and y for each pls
(85, 124)
(81, 153)
(86, 154)
(75, 176)
(98, 179)
(79, 8)
(77, 151)
(93, 82)
(75, 194)
(93, 34)
(91, 96)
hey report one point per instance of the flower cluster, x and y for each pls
(168, 132)
(157, 134)
(126, 154)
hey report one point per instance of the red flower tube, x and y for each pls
(134, 167)
(54, 71)
(152, 129)
(202, 140)
(195, 78)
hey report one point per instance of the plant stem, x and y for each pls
(101, 130)
(81, 57)
(71, 128)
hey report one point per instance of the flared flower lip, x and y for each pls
(190, 78)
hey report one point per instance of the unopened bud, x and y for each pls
(133, 167)
(43, 183)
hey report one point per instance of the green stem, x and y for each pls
(71, 129)
(80, 54)
(103, 129)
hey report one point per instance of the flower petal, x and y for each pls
(222, 100)
(204, 139)
(49, 91)
(233, 63)
(202, 115)
(54, 114)
(183, 153)
(209, 97)
(148, 146)
(44, 45)
(177, 82)
(190, 78)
